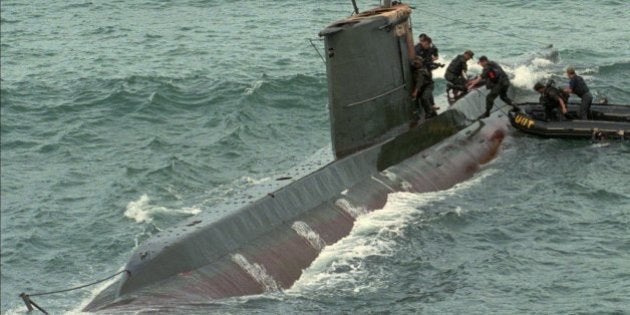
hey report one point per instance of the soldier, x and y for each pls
(432, 50)
(579, 88)
(429, 53)
(552, 100)
(456, 72)
(497, 82)
(423, 87)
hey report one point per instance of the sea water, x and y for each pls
(121, 118)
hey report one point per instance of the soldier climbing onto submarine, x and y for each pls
(456, 73)
(423, 88)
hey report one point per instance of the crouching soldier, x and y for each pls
(552, 100)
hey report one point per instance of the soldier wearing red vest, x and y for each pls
(497, 82)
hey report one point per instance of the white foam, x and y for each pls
(390, 175)
(406, 186)
(142, 211)
(601, 144)
(393, 177)
(459, 211)
(255, 86)
(374, 234)
(78, 309)
(93, 292)
(439, 72)
(383, 183)
(526, 76)
(17, 310)
(474, 69)
(305, 231)
(541, 62)
(349, 208)
(254, 181)
(258, 272)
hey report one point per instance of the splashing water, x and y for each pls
(142, 211)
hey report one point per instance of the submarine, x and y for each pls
(379, 147)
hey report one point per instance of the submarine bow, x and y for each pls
(265, 245)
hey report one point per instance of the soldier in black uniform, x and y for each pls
(418, 46)
(456, 72)
(429, 53)
(426, 49)
(579, 88)
(552, 100)
(423, 87)
(497, 82)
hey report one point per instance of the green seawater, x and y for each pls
(121, 118)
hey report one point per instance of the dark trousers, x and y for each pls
(585, 106)
(553, 113)
(427, 99)
(458, 82)
(499, 89)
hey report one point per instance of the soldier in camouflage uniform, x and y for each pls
(422, 92)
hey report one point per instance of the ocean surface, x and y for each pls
(121, 118)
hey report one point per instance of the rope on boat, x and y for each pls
(29, 303)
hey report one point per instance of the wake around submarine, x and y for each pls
(379, 148)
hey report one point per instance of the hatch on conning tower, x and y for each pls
(369, 77)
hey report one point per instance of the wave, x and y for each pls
(9, 21)
(77, 5)
(142, 211)
(376, 234)
(284, 92)
(621, 68)
(526, 76)
(148, 97)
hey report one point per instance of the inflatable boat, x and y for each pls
(606, 121)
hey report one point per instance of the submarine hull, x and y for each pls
(314, 211)
(379, 149)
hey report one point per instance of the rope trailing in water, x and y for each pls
(29, 303)
(485, 28)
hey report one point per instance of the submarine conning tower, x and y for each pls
(369, 77)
